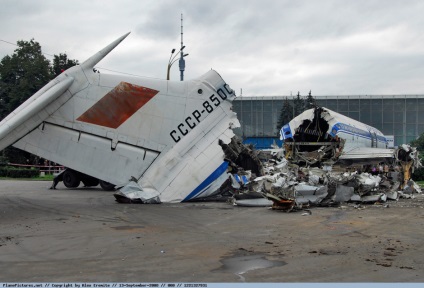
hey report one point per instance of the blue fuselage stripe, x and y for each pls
(359, 135)
(208, 181)
(340, 128)
(348, 129)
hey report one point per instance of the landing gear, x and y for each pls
(71, 178)
(89, 181)
(107, 186)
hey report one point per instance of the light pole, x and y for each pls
(172, 60)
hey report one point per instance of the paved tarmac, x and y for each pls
(83, 235)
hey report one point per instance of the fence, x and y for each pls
(46, 169)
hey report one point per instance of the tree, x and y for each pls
(25, 72)
(3, 104)
(419, 143)
(298, 105)
(310, 101)
(21, 75)
(286, 114)
(61, 63)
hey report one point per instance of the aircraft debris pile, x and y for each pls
(242, 157)
(290, 186)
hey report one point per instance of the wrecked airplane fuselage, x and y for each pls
(319, 134)
(320, 137)
(161, 138)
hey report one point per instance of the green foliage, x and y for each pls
(293, 108)
(18, 172)
(61, 63)
(298, 105)
(3, 161)
(14, 155)
(310, 101)
(25, 72)
(286, 114)
(21, 75)
(419, 143)
(418, 174)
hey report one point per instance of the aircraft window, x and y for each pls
(200, 91)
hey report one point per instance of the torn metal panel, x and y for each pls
(242, 179)
(258, 202)
(281, 203)
(355, 198)
(405, 196)
(306, 194)
(405, 153)
(234, 183)
(242, 156)
(392, 195)
(409, 188)
(343, 193)
(395, 176)
(133, 193)
(374, 198)
(417, 188)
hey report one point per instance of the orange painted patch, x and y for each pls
(118, 105)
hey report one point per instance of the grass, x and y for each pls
(39, 178)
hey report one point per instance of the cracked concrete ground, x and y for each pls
(83, 235)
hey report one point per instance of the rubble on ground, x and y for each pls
(290, 187)
(267, 179)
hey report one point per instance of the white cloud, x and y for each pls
(265, 47)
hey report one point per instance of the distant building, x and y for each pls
(399, 115)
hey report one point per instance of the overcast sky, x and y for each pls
(264, 47)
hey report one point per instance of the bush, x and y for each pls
(18, 172)
(3, 161)
(418, 174)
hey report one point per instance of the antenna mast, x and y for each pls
(182, 61)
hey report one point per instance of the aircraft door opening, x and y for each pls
(373, 140)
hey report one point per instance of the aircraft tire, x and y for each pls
(71, 179)
(90, 182)
(107, 186)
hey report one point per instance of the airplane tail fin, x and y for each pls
(93, 60)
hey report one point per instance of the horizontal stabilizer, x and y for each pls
(16, 125)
